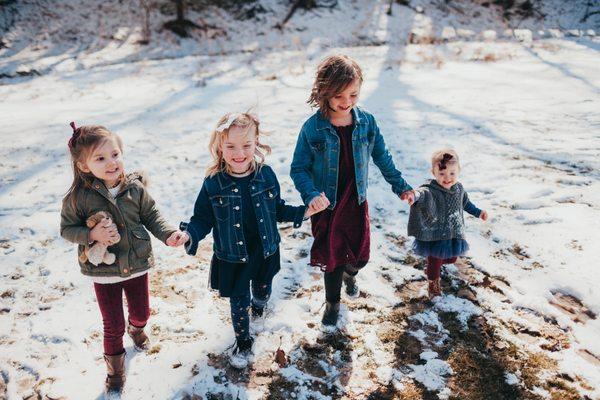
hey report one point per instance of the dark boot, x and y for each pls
(351, 286)
(257, 312)
(330, 316)
(241, 354)
(140, 340)
(115, 377)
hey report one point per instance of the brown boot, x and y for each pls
(434, 288)
(140, 340)
(115, 378)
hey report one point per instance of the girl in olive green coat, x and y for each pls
(100, 184)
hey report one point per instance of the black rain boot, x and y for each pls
(330, 316)
(351, 286)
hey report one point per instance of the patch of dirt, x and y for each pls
(572, 306)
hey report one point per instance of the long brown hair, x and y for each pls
(82, 144)
(334, 74)
(242, 120)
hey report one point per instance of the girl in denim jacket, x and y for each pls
(240, 202)
(332, 156)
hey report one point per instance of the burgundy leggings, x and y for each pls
(434, 266)
(110, 301)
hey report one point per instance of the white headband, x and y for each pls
(230, 120)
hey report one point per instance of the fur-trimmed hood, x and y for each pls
(141, 176)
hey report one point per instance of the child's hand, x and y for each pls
(105, 233)
(408, 196)
(177, 238)
(483, 215)
(317, 205)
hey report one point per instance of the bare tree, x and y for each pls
(181, 25)
(145, 23)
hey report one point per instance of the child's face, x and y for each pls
(238, 148)
(446, 178)
(342, 103)
(105, 162)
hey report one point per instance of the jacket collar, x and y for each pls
(434, 185)
(129, 180)
(225, 180)
(358, 118)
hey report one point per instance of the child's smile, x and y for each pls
(238, 149)
(342, 103)
(105, 163)
(447, 177)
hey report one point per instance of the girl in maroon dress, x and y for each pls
(331, 157)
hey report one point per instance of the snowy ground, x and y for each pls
(519, 318)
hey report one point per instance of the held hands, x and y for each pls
(177, 239)
(483, 215)
(408, 196)
(317, 205)
(105, 233)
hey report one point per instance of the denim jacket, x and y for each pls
(219, 207)
(316, 158)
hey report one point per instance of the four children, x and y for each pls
(240, 202)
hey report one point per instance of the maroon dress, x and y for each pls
(342, 234)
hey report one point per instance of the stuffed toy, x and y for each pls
(97, 253)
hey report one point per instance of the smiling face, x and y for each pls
(447, 177)
(238, 148)
(105, 162)
(341, 104)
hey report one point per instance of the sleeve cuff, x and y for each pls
(299, 217)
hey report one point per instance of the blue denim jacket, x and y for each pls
(316, 158)
(219, 207)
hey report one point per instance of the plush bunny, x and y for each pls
(97, 253)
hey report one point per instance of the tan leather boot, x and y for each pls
(115, 377)
(140, 340)
(434, 288)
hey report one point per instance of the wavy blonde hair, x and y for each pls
(246, 121)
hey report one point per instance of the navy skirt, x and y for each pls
(441, 248)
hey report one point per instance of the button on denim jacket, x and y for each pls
(316, 158)
(219, 207)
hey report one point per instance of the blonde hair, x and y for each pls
(82, 144)
(444, 157)
(220, 133)
(334, 74)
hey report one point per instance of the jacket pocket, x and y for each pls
(220, 207)
(270, 201)
(317, 147)
(141, 242)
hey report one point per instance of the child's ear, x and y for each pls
(83, 167)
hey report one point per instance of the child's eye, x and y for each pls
(353, 95)
(337, 97)
(100, 159)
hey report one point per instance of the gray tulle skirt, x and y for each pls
(441, 248)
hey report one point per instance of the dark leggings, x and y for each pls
(434, 266)
(334, 279)
(240, 305)
(110, 301)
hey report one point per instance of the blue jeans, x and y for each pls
(261, 291)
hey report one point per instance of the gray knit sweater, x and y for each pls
(438, 212)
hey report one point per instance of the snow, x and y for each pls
(432, 374)
(521, 109)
